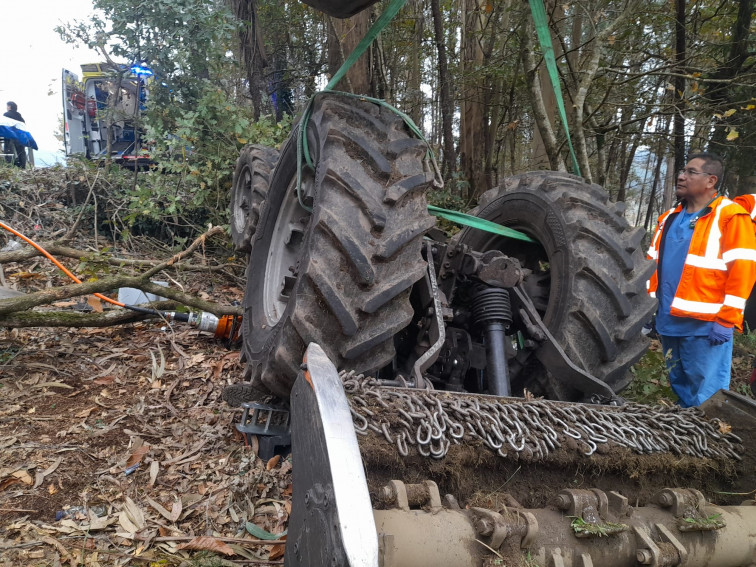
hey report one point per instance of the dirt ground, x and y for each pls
(115, 447)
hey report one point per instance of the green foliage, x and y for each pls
(191, 184)
(650, 383)
(702, 523)
(196, 118)
(581, 528)
(450, 197)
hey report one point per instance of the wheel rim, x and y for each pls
(241, 201)
(281, 267)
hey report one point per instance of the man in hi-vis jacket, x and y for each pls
(705, 250)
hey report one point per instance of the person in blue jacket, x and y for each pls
(14, 146)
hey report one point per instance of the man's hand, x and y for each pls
(719, 334)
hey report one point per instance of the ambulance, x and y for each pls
(105, 106)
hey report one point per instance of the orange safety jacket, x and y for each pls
(748, 202)
(720, 268)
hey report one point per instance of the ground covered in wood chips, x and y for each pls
(115, 447)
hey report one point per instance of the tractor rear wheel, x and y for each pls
(334, 262)
(588, 272)
(248, 191)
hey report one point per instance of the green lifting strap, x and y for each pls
(303, 150)
(479, 223)
(544, 38)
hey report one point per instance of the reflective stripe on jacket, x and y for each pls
(720, 268)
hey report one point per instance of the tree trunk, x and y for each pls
(540, 156)
(536, 98)
(472, 124)
(414, 94)
(252, 49)
(660, 153)
(720, 91)
(678, 81)
(344, 37)
(447, 108)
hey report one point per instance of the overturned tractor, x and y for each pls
(457, 403)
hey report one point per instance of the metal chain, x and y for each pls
(431, 421)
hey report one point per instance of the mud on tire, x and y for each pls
(589, 272)
(341, 275)
(248, 191)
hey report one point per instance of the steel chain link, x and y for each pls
(431, 421)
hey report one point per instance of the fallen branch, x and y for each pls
(200, 240)
(105, 285)
(76, 319)
(57, 249)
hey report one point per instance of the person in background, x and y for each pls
(14, 146)
(705, 250)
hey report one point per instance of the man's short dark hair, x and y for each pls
(713, 165)
(13, 106)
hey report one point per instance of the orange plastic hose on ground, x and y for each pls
(58, 264)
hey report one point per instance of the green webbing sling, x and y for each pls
(544, 38)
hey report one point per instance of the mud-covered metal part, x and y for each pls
(437, 327)
(331, 521)
(556, 361)
(735, 411)
(548, 537)
(271, 425)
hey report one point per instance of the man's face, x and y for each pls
(694, 181)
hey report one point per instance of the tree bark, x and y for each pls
(344, 37)
(678, 131)
(141, 282)
(28, 301)
(447, 108)
(75, 319)
(536, 98)
(589, 68)
(472, 126)
(719, 92)
(540, 155)
(252, 49)
(414, 93)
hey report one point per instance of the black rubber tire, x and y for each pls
(592, 296)
(360, 248)
(248, 190)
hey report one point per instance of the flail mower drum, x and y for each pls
(400, 477)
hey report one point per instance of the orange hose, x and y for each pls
(49, 256)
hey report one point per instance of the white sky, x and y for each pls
(33, 56)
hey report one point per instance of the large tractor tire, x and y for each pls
(248, 191)
(588, 277)
(341, 274)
